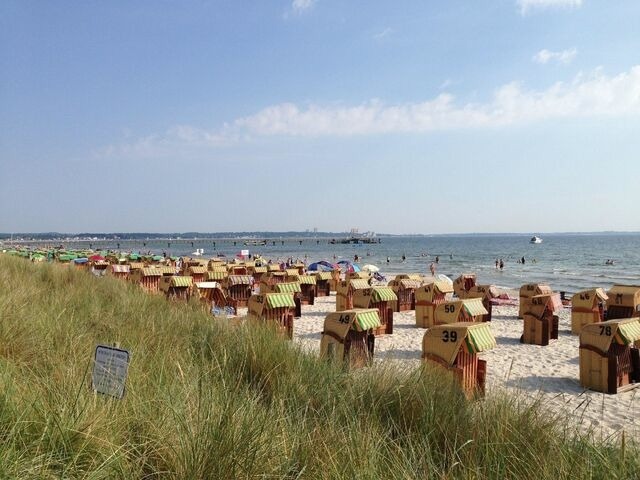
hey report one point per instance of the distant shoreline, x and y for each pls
(252, 236)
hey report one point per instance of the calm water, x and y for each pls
(566, 262)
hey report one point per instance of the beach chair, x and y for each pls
(463, 284)
(529, 290)
(455, 348)
(405, 286)
(307, 287)
(323, 287)
(238, 288)
(276, 309)
(381, 298)
(348, 337)
(623, 302)
(486, 293)
(212, 295)
(455, 311)
(148, 278)
(177, 287)
(428, 297)
(587, 306)
(345, 292)
(540, 319)
(609, 360)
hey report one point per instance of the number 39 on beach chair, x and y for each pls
(455, 348)
(609, 361)
(348, 337)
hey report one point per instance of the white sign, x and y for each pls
(244, 253)
(110, 370)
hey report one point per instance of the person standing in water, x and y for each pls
(501, 264)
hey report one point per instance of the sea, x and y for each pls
(567, 262)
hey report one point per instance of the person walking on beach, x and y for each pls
(432, 267)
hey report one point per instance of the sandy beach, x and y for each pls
(549, 373)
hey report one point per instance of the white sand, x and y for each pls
(551, 372)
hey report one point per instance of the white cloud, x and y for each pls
(587, 95)
(384, 33)
(565, 56)
(299, 6)
(527, 5)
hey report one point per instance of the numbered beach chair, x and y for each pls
(238, 288)
(428, 297)
(276, 309)
(540, 320)
(587, 307)
(346, 291)
(177, 287)
(148, 278)
(348, 337)
(463, 284)
(455, 348)
(609, 360)
(485, 293)
(456, 311)
(382, 299)
(623, 302)
(405, 286)
(529, 290)
(323, 287)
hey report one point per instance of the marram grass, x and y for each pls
(205, 400)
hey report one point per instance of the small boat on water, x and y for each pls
(535, 239)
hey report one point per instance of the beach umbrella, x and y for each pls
(443, 278)
(322, 266)
(348, 266)
(370, 268)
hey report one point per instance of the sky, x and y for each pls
(399, 117)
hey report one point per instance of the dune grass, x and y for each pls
(206, 400)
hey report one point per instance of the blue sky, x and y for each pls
(400, 117)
